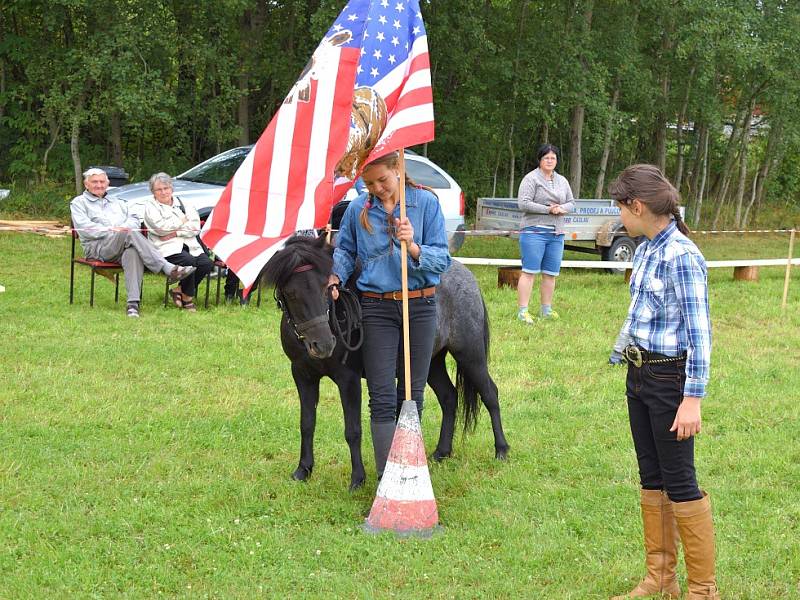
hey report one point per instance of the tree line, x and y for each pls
(707, 90)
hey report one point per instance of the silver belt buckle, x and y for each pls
(634, 356)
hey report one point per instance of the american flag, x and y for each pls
(289, 180)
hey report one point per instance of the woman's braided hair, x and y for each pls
(647, 184)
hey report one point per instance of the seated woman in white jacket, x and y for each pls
(172, 226)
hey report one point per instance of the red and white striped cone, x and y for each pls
(404, 502)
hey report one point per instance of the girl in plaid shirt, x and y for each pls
(669, 348)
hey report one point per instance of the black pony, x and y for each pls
(299, 273)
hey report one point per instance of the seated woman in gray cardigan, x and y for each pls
(544, 196)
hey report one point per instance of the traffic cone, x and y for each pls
(404, 502)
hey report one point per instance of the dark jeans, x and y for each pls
(654, 394)
(382, 352)
(202, 263)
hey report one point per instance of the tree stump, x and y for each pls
(745, 273)
(508, 276)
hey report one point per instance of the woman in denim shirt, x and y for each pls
(371, 231)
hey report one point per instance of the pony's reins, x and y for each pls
(346, 318)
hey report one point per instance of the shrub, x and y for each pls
(44, 201)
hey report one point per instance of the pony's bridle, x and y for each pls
(346, 323)
(302, 327)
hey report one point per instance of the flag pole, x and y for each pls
(404, 276)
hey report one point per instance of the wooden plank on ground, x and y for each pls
(47, 228)
(28, 223)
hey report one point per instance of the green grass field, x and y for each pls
(152, 458)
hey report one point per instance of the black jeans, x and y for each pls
(654, 394)
(382, 352)
(202, 264)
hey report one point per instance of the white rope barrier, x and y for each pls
(516, 262)
(506, 232)
(611, 264)
(743, 231)
(467, 232)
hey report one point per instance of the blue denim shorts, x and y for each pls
(541, 250)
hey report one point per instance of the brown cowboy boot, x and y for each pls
(697, 534)
(661, 548)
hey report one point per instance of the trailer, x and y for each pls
(594, 226)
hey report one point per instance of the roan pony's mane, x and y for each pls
(298, 251)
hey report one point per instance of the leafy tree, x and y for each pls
(707, 89)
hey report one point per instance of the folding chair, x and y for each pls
(219, 267)
(107, 269)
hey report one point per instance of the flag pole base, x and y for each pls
(420, 534)
(404, 503)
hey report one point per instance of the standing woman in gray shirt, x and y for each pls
(544, 197)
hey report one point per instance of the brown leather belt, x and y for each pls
(398, 295)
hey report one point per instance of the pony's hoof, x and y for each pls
(357, 484)
(439, 456)
(301, 474)
(501, 453)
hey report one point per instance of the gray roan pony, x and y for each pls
(299, 273)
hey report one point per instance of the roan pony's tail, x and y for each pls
(467, 391)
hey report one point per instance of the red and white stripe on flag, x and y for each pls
(409, 101)
(285, 183)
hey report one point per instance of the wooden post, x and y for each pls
(749, 273)
(508, 276)
(788, 271)
(404, 276)
(628, 275)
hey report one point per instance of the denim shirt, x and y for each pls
(380, 255)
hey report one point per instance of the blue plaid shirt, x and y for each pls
(669, 304)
